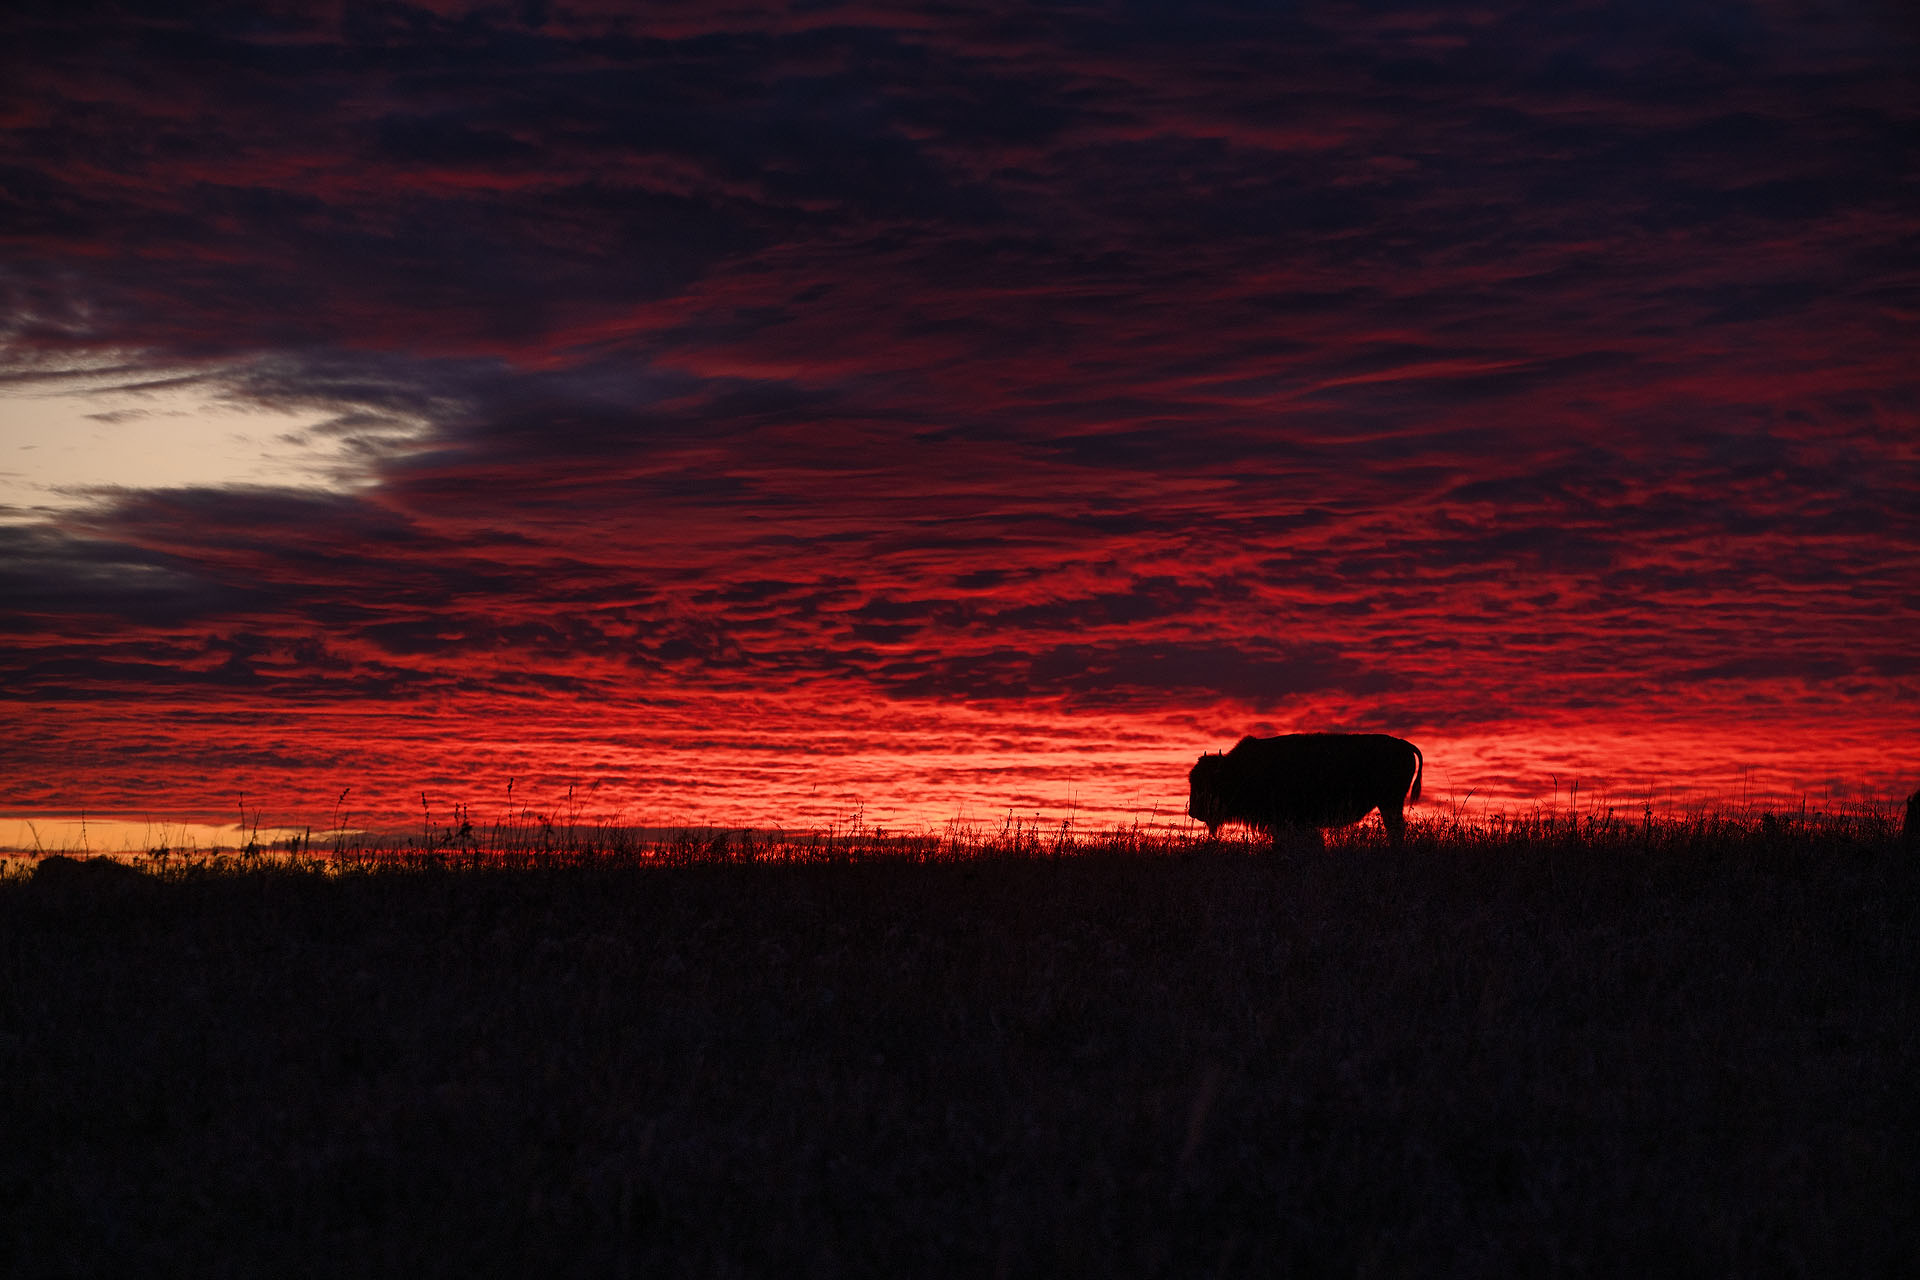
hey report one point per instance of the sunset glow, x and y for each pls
(789, 415)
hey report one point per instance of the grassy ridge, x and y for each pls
(1543, 1047)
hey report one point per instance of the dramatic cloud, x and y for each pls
(755, 412)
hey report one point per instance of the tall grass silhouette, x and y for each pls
(1547, 1042)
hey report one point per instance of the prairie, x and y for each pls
(1550, 1046)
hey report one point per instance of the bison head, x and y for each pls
(1207, 792)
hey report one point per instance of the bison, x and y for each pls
(60, 874)
(1306, 780)
(1910, 830)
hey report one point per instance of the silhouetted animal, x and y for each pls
(1910, 833)
(1306, 780)
(60, 873)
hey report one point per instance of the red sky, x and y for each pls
(824, 410)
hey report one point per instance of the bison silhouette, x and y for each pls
(1306, 781)
(57, 873)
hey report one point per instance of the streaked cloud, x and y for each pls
(1001, 388)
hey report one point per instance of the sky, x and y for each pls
(824, 413)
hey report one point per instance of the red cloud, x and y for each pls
(943, 414)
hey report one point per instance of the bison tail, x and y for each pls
(1419, 767)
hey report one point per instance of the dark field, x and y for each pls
(1557, 1049)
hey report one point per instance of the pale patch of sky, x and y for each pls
(126, 837)
(71, 437)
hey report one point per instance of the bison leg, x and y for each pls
(1394, 817)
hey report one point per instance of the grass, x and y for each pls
(1545, 1046)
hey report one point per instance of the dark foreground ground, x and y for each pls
(1691, 1051)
